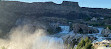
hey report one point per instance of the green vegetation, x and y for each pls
(105, 45)
(109, 26)
(84, 44)
(109, 45)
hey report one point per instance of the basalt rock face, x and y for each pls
(97, 12)
(67, 9)
(40, 8)
(11, 11)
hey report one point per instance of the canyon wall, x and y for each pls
(11, 11)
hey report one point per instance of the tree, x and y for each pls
(88, 45)
(87, 40)
(81, 44)
(84, 44)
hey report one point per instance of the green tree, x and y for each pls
(88, 45)
(87, 40)
(81, 44)
(84, 44)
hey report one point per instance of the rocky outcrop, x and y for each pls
(11, 11)
(73, 38)
(84, 29)
(106, 32)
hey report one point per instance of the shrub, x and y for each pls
(109, 45)
(81, 44)
(84, 44)
(105, 45)
(109, 26)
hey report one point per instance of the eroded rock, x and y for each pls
(81, 28)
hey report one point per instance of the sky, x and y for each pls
(82, 3)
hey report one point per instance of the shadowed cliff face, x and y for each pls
(40, 7)
(11, 11)
(67, 9)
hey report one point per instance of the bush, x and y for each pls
(84, 44)
(109, 45)
(81, 44)
(105, 45)
(109, 26)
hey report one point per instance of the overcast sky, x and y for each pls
(82, 3)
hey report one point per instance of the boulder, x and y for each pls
(71, 39)
(81, 28)
(106, 32)
(93, 30)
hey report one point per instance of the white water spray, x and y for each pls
(24, 38)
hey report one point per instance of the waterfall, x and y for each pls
(23, 38)
(65, 29)
(47, 42)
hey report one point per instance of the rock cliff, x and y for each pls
(67, 9)
(11, 11)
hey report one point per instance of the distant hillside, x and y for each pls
(68, 9)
